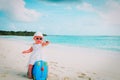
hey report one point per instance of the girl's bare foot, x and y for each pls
(29, 75)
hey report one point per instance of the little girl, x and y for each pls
(36, 51)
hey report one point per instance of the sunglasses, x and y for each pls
(39, 38)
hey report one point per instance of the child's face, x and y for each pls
(38, 39)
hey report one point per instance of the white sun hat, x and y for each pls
(38, 34)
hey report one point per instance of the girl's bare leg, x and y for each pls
(30, 71)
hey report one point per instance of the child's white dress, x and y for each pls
(36, 54)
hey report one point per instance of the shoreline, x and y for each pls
(66, 45)
(65, 62)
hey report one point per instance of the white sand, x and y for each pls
(65, 63)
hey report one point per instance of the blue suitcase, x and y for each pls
(40, 70)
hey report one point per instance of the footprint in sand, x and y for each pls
(83, 75)
(52, 76)
(89, 78)
(23, 75)
(66, 78)
(52, 68)
(62, 67)
(52, 62)
(2, 56)
(55, 65)
(6, 67)
(94, 73)
(3, 75)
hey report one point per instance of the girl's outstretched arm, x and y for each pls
(28, 51)
(45, 43)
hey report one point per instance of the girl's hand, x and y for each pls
(24, 52)
(28, 51)
(45, 43)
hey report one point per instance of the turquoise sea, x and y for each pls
(99, 42)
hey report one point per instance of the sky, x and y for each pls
(61, 17)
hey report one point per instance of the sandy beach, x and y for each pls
(65, 62)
